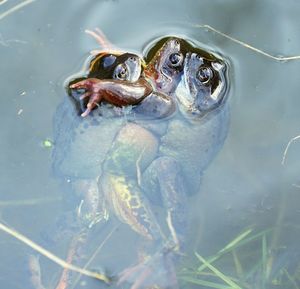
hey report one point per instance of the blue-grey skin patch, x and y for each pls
(109, 60)
(203, 86)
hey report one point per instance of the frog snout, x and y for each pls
(133, 58)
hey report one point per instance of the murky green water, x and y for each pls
(245, 188)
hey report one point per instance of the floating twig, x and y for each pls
(287, 148)
(15, 8)
(248, 46)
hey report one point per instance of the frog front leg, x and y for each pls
(155, 106)
(116, 92)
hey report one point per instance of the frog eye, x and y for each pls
(205, 74)
(121, 72)
(175, 59)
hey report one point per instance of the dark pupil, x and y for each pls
(122, 72)
(205, 74)
(175, 59)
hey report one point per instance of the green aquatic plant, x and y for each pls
(249, 261)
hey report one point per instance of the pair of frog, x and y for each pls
(151, 152)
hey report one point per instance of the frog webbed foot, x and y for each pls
(93, 93)
(157, 271)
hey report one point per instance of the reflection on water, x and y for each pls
(245, 187)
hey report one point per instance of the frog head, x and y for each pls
(125, 66)
(166, 64)
(204, 83)
(105, 66)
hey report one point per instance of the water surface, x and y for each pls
(245, 187)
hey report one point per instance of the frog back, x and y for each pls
(81, 144)
(195, 142)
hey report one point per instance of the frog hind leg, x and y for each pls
(90, 211)
(165, 187)
(157, 271)
(127, 202)
(133, 150)
(164, 182)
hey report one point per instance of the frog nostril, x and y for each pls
(177, 42)
(132, 58)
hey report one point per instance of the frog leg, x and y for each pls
(134, 149)
(35, 272)
(155, 106)
(74, 255)
(91, 210)
(116, 92)
(163, 178)
(164, 182)
(158, 271)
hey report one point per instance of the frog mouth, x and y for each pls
(163, 81)
(134, 67)
(206, 101)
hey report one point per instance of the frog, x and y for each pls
(111, 63)
(118, 68)
(100, 87)
(91, 209)
(198, 83)
(159, 167)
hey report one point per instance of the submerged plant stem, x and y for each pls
(51, 256)
(218, 273)
(290, 278)
(97, 251)
(231, 245)
(238, 265)
(29, 202)
(265, 276)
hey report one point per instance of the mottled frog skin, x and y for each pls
(135, 162)
(82, 144)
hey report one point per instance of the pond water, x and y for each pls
(246, 188)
